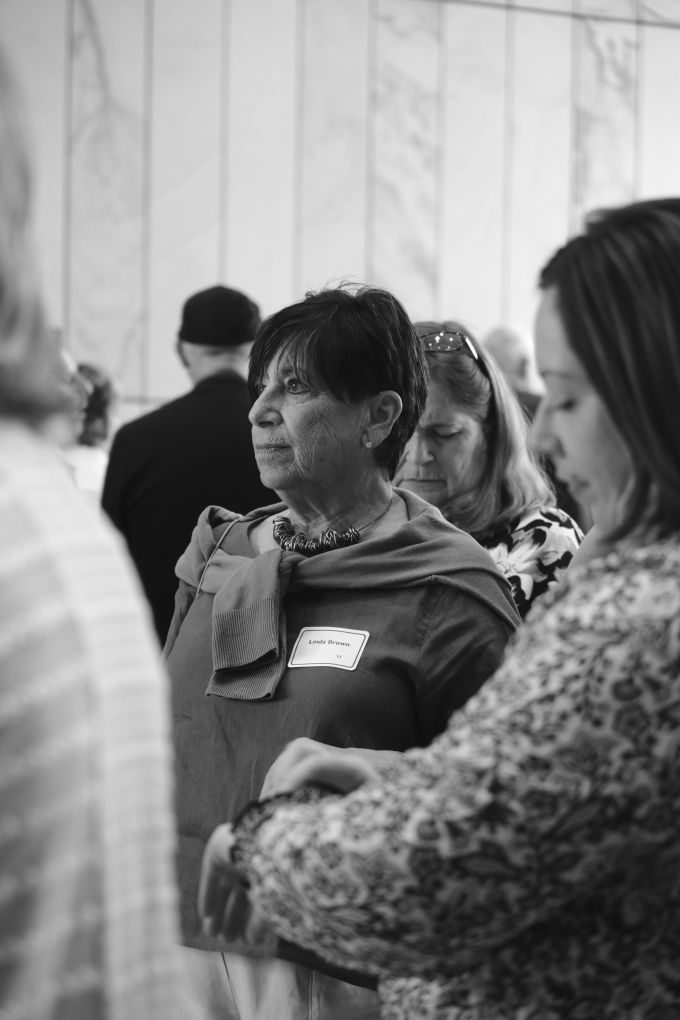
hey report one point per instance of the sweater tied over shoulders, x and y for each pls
(248, 592)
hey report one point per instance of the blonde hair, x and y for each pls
(513, 481)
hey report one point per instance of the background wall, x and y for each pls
(440, 148)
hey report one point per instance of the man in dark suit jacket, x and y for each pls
(168, 465)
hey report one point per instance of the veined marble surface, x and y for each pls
(605, 115)
(622, 9)
(660, 10)
(338, 47)
(106, 308)
(262, 121)
(405, 153)
(440, 148)
(473, 200)
(539, 195)
(186, 184)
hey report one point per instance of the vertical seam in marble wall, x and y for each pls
(372, 60)
(145, 262)
(637, 126)
(508, 114)
(223, 143)
(298, 160)
(440, 184)
(68, 163)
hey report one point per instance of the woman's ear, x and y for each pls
(383, 410)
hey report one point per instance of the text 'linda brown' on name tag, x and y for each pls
(328, 646)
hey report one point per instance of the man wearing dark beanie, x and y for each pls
(168, 465)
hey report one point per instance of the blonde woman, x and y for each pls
(470, 457)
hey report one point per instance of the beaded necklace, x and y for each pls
(294, 541)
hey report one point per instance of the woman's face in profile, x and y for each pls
(573, 427)
(305, 439)
(446, 455)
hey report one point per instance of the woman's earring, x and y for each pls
(368, 444)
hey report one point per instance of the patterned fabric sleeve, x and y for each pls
(535, 553)
(554, 779)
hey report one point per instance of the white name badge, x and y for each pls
(328, 646)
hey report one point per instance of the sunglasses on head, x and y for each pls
(445, 341)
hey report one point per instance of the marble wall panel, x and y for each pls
(620, 9)
(334, 143)
(42, 70)
(550, 6)
(403, 220)
(538, 195)
(278, 143)
(472, 199)
(604, 143)
(660, 11)
(185, 179)
(105, 311)
(261, 125)
(659, 113)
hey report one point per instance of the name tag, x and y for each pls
(328, 646)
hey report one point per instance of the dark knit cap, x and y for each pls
(219, 317)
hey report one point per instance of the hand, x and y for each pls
(223, 901)
(276, 780)
(306, 761)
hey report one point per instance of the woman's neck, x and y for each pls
(465, 512)
(313, 515)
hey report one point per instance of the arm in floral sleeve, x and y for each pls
(543, 793)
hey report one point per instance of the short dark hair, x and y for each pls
(356, 343)
(513, 482)
(617, 287)
(219, 317)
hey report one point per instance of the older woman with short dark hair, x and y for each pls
(351, 613)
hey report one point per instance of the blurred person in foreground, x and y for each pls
(89, 920)
(525, 866)
(350, 612)
(167, 465)
(470, 456)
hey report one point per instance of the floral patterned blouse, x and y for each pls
(534, 552)
(526, 865)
